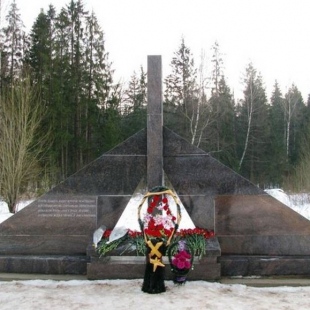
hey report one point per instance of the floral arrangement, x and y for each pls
(132, 239)
(181, 258)
(158, 226)
(158, 222)
(195, 238)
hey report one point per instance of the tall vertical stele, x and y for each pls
(154, 122)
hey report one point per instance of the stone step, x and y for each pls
(43, 264)
(133, 267)
(262, 265)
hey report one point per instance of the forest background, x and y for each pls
(61, 108)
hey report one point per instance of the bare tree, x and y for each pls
(249, 108)
(21, 143)
(254, 112)
(199, 118)
(290, 107)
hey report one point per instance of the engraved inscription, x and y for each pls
(69, 208)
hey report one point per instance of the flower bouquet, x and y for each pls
(181, 258)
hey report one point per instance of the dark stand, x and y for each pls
(154, 281)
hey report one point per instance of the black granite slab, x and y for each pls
(63, 220)
(200, 209)
(201, 174)
(247, 265)
(175, 145)
(134, 145)
(122, 268)
(194, 172)
(44, 264)
(110, 208)
(260, 225)
(109, 175)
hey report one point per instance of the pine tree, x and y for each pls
(101, 95)
(299, 177)
(111, 129)
(76, 14)
(135, 97)
(185, 101)
(217, 72)
(40, 56)
(180, 90)
(220, 135)
(61, 109)
(71, 65)
(14, 46)
(277, 151)
(48, 57)
(102, 114)
(222, 130)
(42, 62)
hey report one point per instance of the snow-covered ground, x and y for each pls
(127, 294)
(4, 210)
(298, 202)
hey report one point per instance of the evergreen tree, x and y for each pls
(111, 131)
(217, 72)
(70, 63)
(42, 62)
(221, 140)
(135, 95)
(180, 91)
(101, 96)
(299, 178)
(277, 152)
(185, 101)
(134, 113)
(76, 15)
(61, 109)
(14, 46)
(41, 53)
(222, 130)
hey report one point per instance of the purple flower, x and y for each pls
(181, 260)
(182, 244)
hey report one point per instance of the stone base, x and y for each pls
(246, 265)
(133, 267)
(52, 264)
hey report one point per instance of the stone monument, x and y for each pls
(254, 233)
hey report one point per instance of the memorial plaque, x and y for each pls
(67, 207)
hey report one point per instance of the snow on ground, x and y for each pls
(127, 294)
(4, 210)
(298, 202)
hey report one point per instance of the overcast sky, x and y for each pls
(272, 34)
